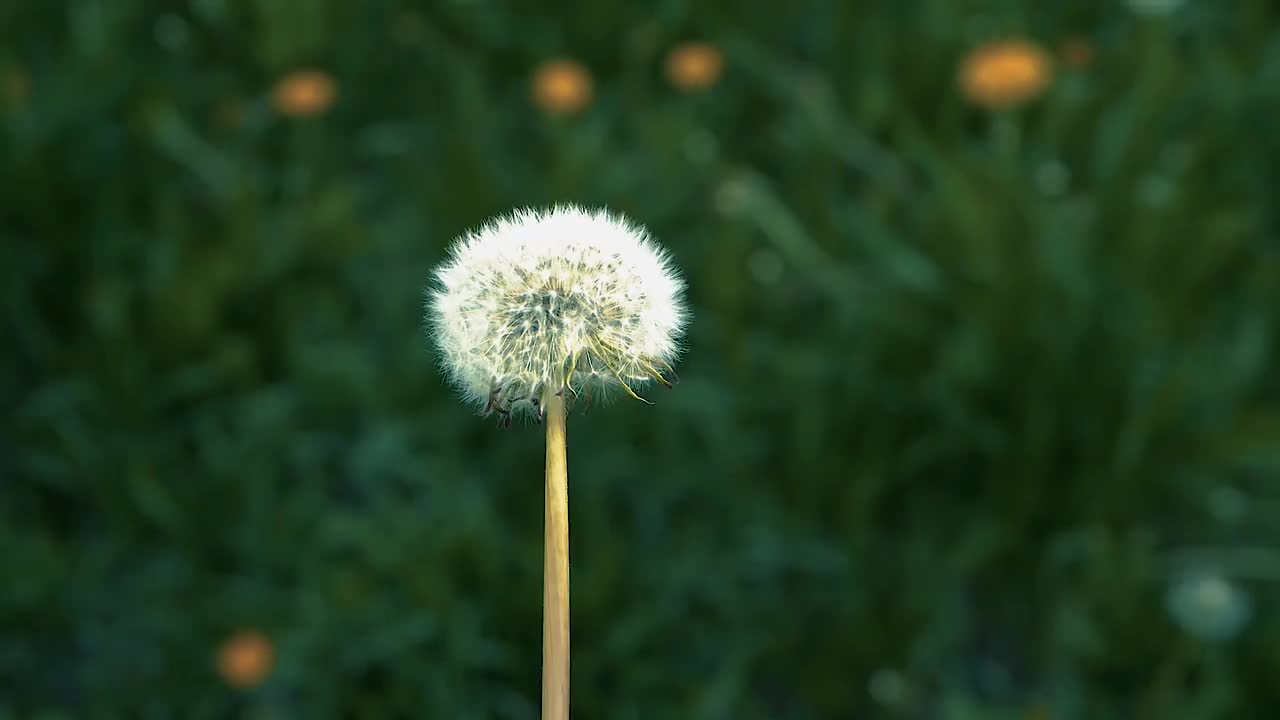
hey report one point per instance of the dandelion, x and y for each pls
(246, 659)
(562, 87)
(1005, 74)
(1208, 606)
(539, 307)
(536, 303)
(304, 93)
(694, 66)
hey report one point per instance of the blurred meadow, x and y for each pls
(980, 415)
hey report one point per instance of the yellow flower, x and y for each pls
(246, 659)
(1005, 74)
(304, 93)
(694, 66)
(562, 87)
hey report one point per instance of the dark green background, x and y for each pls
(951, 433)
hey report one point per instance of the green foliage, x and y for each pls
(965, 394)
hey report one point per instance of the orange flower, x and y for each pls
(1076, 51)
(304, 92)
(694, 66)
(1005, 74)
(246, 659)
(562, 87)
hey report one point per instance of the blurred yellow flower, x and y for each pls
(694, 66)
(562, 87)
(304, 93)
(1005, 74)
(246, 659)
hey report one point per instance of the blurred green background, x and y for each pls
(980, 414)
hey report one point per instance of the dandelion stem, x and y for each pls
(555, 579)
(1007, 137)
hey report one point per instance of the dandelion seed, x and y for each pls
(561, 300)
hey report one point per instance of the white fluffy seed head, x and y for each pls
(565, 299)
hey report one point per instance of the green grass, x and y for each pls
(956, 413)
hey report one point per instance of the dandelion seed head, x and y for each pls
(565, 299)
